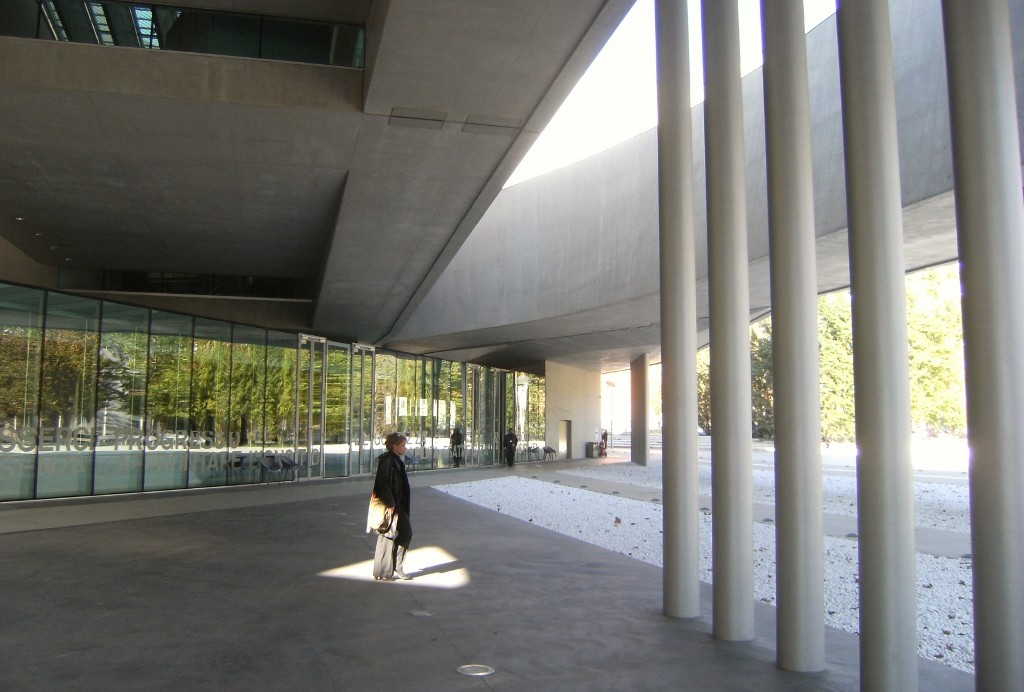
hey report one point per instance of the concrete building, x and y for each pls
(352, 194)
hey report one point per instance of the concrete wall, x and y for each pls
(583, 240)
(16, 266)
(575, 395)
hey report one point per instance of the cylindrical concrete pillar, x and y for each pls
(800, 594)
(885, 497)
(680, 480)
(640, 437)
(731, 466)
(990, 230)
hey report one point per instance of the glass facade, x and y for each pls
(525, 412)
(67, 397)
(164, 27)
(98, 398)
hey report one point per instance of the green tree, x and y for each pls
(704, 389)
(761, 383)
(935, 339)
(762, 400)
(835, 365)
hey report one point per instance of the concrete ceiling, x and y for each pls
(610, 338)
(360, 183)
(356, 186)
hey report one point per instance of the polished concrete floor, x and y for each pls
(269, 588)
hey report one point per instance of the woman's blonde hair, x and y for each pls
(394, 439)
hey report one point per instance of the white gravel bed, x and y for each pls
(634, 528)
(936, 505)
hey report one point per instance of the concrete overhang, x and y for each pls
(356, 185)
(574, 252)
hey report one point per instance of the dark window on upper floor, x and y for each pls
(164, 27)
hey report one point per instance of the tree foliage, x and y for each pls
(762, 416)
(935, 346)
(934, 332)
(704, 389)
(835, 366)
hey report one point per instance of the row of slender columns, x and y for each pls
(885, 492)
(990, 223)
(640, 441)
(990, 233)
(799, 541)
(731, 462)
(677, 239)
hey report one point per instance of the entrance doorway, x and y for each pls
(310, 387)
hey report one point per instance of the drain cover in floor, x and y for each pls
(475, 669)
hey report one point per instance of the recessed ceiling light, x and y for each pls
(19, 218)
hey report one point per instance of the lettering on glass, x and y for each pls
(50, 439)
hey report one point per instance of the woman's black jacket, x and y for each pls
(392, 483)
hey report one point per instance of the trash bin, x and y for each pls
(591, 450)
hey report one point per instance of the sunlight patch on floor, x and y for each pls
(429, 566)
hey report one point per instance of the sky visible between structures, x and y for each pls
(617, 97)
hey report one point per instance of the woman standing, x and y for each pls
(391, 487)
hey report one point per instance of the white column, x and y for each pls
(680, 480)
(800, 593)
(990, 230)
(885, 499)
(640, 438)
(731, 466)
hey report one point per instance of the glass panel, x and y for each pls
(302, 401)
(310, 401)
(296, 41)
(428, 410)
(439, 424)
(336, 435)
(362, 408)
(167, 411)
(54, 21)
(100, 25)
(349, 45)
(316, 418)
(246, 428)
(412, 416)
(145, 27)
(120, 414)
(451, 413)
(486, 416)
(403, 405)
(388, 406)
(153, 26)
(525, 412)
(196, 31)
(280, 411)
(68, 405)
(21, 339)
(470, 431)
(536, 413)
(356, 411)
(211, 391)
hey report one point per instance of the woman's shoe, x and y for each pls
(402, 575)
